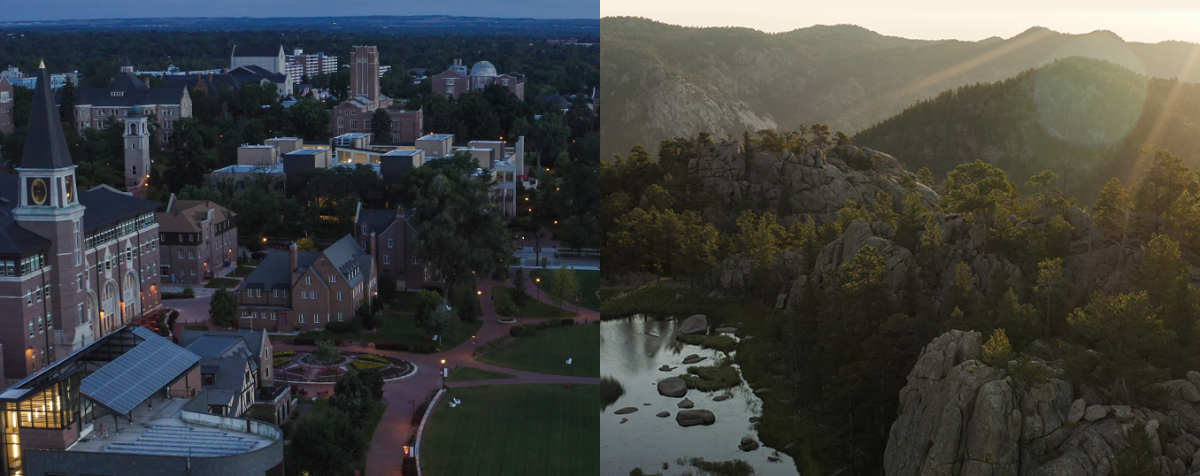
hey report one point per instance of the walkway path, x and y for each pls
(387, 453)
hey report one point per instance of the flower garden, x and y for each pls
(327, 364)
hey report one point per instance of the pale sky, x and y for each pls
(1149, 21)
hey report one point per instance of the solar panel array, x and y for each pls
(133, 377)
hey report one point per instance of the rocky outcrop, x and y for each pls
(961, 417)
(697, 324)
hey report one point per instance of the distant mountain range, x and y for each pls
(661, 81)
(410, 25)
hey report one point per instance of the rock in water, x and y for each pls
(686, 404)
(663, 414)
(625, 411)
(623, 420)
(697, 324)
(748, 444)
(693, 359)
(695, 417)
(667, 368)
(720, 398)
(672, 387)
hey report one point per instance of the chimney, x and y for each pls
(293, 257)
(371, 243)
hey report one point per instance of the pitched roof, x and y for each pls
(347, 256)
(126, 63)
(375, 219)
(273, 271)
(185, 215)
(131, 91)
(253, 339)
(256, 51)
(106, 205)
(45, 142)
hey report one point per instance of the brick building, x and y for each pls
(304, 290)
(95, 106)
(390, 239)
(457, 80)
(197, 239)
(74, 265)
(355, 114)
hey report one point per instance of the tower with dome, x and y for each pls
(458, 79)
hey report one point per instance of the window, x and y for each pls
(339, 295)
(275, 293)
(389, 242)
(47, 291)
(302, 318)
(316, 318)
(333, 278)
(31, 328)
(180, 254)
(308, 280)
(415, 260)
(387, 259)
(303, 294)
(164, 270)
(191, 255)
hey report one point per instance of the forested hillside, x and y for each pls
(663, 81)
(1093, 303)
(1087, 120)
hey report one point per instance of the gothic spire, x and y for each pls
(45, 142)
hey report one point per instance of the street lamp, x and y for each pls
(443, 373)
(539, 286)
(476, 343)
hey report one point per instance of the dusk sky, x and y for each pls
(1143, 21)
(18, 10)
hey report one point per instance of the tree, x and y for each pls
(563, 285)
(1127, 332)
(326, 443)
(306, 244)
(440, 321)
(759, 237)
(186, 164)
(460, 229)
(519, 295)
(976, 188)
(1137, 457)
(427, 303)
(223, 309)
(66, 109)
(1049, 284)
(352, 396)
(381, 126)
(309, 119)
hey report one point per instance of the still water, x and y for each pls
(632, 350)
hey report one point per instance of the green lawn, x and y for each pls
(547, 352)
(467, 373)
(589, 282)
(241, 272)
(534, 309)
(529, 429)
(399, 327)
(223, 283)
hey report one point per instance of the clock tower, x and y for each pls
(49, 206)
(137, 149)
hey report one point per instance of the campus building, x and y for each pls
(269, 58)
(300, 65)
(6, 106)
(197, 239)
(237, 372)
(131, 403)
(355, 114)
(95, 106)
(457, 80)
(74, 265)
(305, 290)
(390, 239)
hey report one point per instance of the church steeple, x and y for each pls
(45, 142)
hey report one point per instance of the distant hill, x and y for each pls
(661, 81)
(409, 25)
(1085, 119)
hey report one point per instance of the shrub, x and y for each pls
(523, 330)
(374, 358)
(722, 343)
(280, 361)
(506, 308)
(188, 292)
(340, 327)
(364, 365)
(1026, 370)
(284, 353)
(567, 322)
(997, 351)
(327, 351)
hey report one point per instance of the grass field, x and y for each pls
(529, 429)
(241, 272)
(547, 352)
(467, 373)
(398, 327)
(534, 309)
(223, 283)
(589, 282)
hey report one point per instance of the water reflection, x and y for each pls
(632, 350)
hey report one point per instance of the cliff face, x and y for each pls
(962, 417)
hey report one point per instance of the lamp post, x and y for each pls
(476, 343)
(539, 286)
(443, 373)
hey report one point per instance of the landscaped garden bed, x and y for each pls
(313, 367)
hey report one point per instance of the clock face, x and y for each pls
(39, 192)
(70, 189)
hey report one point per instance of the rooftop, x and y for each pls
(250, 169)
(353, 135)
(159, 429)
(436, 137)
(405, 152)
(307, 152)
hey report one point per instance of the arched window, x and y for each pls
(131, 292)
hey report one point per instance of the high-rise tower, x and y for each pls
(364, 72)
(137, 149)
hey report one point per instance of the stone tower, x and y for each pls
(137, 149)
(49, 206)
(364, 72)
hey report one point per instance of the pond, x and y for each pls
(632, 351)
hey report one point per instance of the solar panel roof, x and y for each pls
(132, 378)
